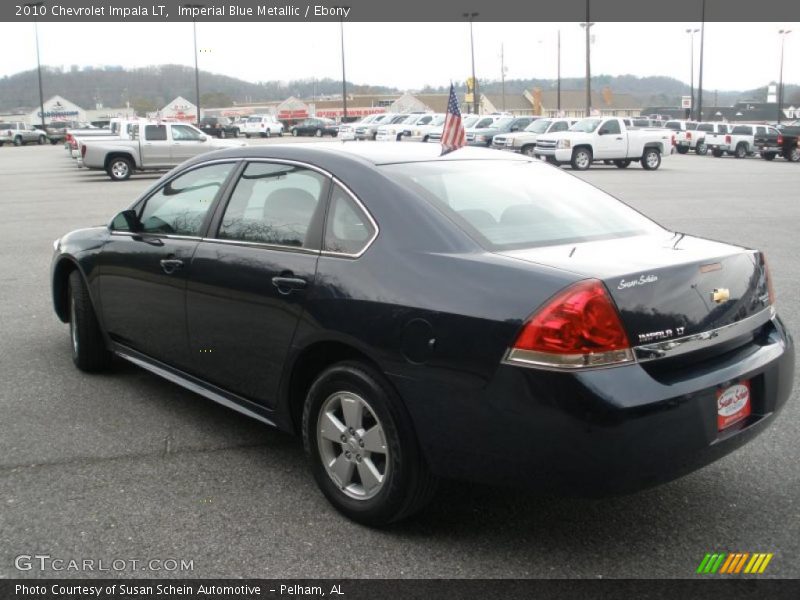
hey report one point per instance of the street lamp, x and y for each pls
(558, 75)
(783, 33)
(470, 16)
(587, 26)
(344, 78)
(699, 113)
(34, 6)
(691, 33)
(196, 68)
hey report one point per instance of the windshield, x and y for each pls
(538, 126)
(514, 204)
(254, 120)
(585, 125)
(468, 122)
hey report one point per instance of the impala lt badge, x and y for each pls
(720, 295)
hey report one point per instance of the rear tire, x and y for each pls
(682, 149)
(119, 168)
(794, 154)
(89, 352)
(269, 133)
(716, 153)
(701, 149)
(622, 164)
(768, 156)
(396, 481)
(651, 159)
(581, 159)
(741, 150)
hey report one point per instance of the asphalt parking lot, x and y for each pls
(125, 465)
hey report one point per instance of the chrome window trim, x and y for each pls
(170, 236)
(334, 180)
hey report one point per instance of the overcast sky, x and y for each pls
(409, 55)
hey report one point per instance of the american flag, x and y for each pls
(453, 136)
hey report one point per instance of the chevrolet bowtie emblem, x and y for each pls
(720, 295)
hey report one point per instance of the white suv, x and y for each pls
(262, 126)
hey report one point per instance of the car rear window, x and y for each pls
(505, 205)
(7, 126)
(742, 130)
(676, 125)
(705, 127)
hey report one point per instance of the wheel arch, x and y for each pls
(118, 154)
(305, 366)
(60, 285)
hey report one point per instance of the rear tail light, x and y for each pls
(673, 140)
(780, 140)
(727, 139)
(688, 135)
(83, 151)
(770, 289)
(579, 327)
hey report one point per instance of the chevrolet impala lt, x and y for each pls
(478, 315)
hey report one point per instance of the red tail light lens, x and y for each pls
(780, 140)
(688, 135)
(579, 327)
(727, 139)
(83, 151)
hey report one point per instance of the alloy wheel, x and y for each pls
(352, 445)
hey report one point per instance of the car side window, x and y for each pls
(611, 127)
(761, 130)
(183, 133)
(348, 229)
(559, 126)
(273, 204)
(155, 133)
(181, 206)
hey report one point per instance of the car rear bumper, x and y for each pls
(603, 431)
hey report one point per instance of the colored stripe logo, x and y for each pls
(734, 563)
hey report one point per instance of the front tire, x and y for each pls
(120, 168)
(716, 153)
(528, 150)
(222, 134)
(89, 352)
(651, 159)
(362, 447)
(581, 159)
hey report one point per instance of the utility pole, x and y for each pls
(558, 75)
(34, 6)
(196, 68)
(700, 78)
(344, 77)
(783, 33)
(691, 33)
(503, 76)
(587, 25)
(471, 16)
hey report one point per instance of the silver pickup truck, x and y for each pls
(152, 147)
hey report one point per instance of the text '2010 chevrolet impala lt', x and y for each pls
(478, 315)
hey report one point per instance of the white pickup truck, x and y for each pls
(739, 141)
(605, 139)
(152, 147)
(525, 141)
(695, 139)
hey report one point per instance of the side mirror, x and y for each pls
(127, 220)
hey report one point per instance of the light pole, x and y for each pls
(196, 68)
(34, 6)
(558, 75)
(344, 79)
(699, 113)
(503, 75)
(587, 26)
(783, 33)
(470, 16)
(691, 33)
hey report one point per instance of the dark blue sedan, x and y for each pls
(479, 315)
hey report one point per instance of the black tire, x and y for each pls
(581, 158)
(768, 156)
(716, 153)
(651, 159)
(408, 484)
(528, 150)
(119, 168)
(18, 141)
(793, 155)
(294, 133)
(54, 142)
(741, 150)
(318, 133)
(247, 136)
(608, 162)
(89, 352)
(425, 139)
(622, 164)
(682, 149)
(701, 149)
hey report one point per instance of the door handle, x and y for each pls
(285, 285)
(619, 138)
(170, 265)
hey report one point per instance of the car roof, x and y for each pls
(375, 154)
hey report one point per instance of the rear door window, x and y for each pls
(155, 133)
